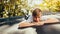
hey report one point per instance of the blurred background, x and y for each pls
(10, 8)
(12, 12)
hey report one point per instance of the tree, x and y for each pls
(13, 7)
(52, 5)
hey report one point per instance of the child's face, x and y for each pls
(37, 18)
(39, 14)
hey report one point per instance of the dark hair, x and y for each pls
(34, 13)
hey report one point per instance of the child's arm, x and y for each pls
(51, 20)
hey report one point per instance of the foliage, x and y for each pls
(13, 7)
(10, 8)
(52, 5)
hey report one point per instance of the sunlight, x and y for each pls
(31, 3)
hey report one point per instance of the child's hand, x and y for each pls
(39, 23)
